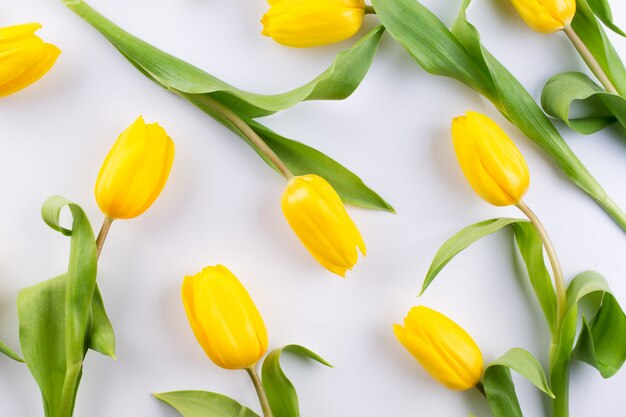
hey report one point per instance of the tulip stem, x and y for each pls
(590, 60)
(559, 280)
(370, 10)
(104, 231)
(234, 119)
(258, 386)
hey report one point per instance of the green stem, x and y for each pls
(370, 10)
(104, 231)
(229, 117)
(260, 391)
(559, 381)
(590, 60)
(559, 280)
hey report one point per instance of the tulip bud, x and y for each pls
(135, 171)
(24, 57)
(306, 23)
(224, 318)
(317, 215)
(491, 162)
(442, 347)
(546, 16)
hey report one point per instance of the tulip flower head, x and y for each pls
(135, 171)
(24, 57)
(491, 162)
(306, 23)
(546, 16)
(317, 215)
(224, 318)
(442, 347)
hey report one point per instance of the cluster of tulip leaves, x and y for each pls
(459, 54)
(597, 108)
(280, 391)
(206, 92)
(601, 342)
(63, 317)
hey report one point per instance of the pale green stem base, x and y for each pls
(260, 391)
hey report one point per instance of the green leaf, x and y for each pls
(531, 248)
(593, 36)
(459, 54)
(499, 387)
(6, 351)
(60, 316)
(280, 391)
(204, 404)
(602, 10)
(201, 89)
(600, 109)
(602, 344)
(461, 241)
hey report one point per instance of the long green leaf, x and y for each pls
(59, 320)
(204, 404)
(498, 383)
(594, 37)
(461, 241)
(459, 54)
(280, 391)
(602, 10)
(531, 248)
(199, 87)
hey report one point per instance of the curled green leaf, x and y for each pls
(280, 391)
(499, 387)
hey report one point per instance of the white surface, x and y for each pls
(221, 205)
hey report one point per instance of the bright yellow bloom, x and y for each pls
(224, 318)
(305, 23)
(546, 16)
(135, 171)
(442, 347)
(491, 162)
(317, 215)
(24, 57)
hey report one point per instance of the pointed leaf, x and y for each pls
(602, 10)
(461, 241)
(280, 391)
(531, 248)
(499, 387)
(204, 404)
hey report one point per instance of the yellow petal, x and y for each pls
(317, 215)
(546, 16)
(224, 318)
(442, 347)
(306, 23)
(135, 171)
(491, 162)
(24, 57)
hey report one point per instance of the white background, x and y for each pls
(221, 205)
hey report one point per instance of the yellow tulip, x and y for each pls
(317, 215)
(24, 57)
(493, 165)
(224, 318)
(306, 23)
(135, 171)
(442, 347)
(546, 16)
